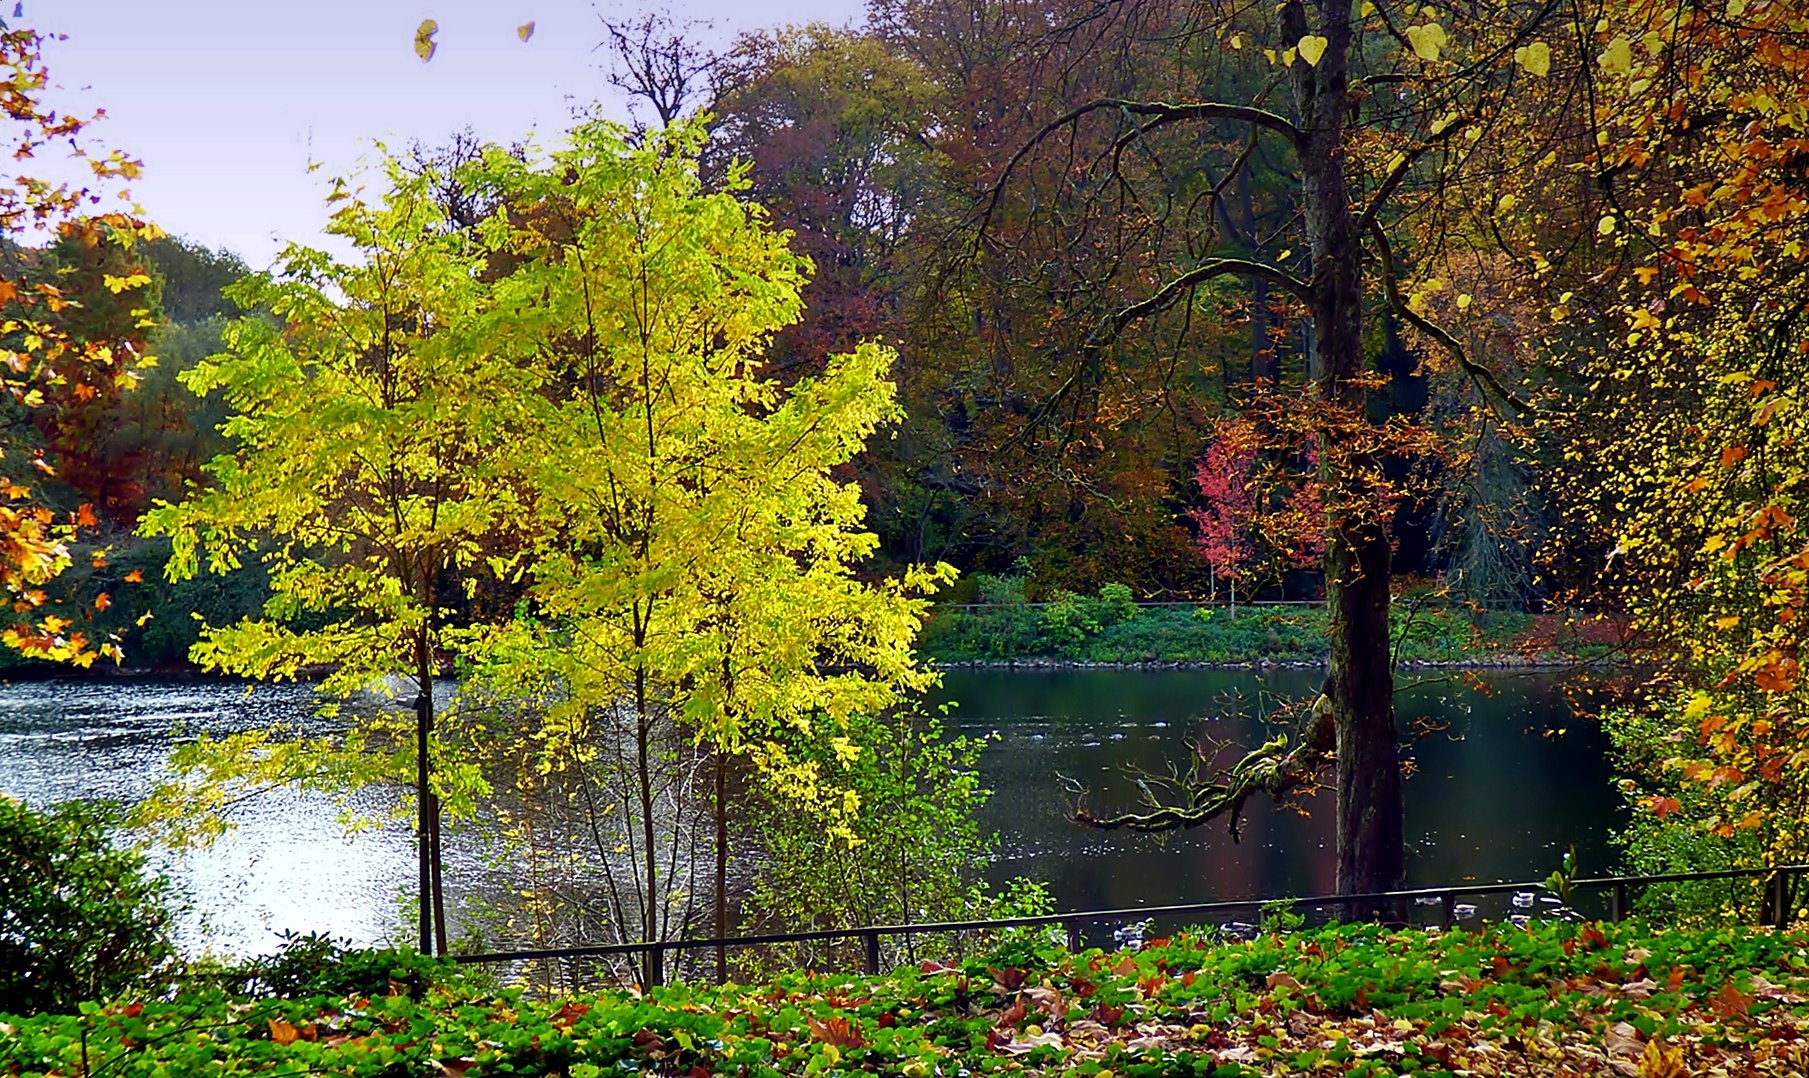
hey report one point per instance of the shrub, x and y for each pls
(79, 918)
(318, 965)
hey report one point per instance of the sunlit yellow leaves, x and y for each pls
(1427, 39)
(1605, 226)
(1617, 57)
(1535, 58)
(425, 45)
(116, 285)
(1312, 47)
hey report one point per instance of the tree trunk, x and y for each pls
(722, 864)
(1358, 564)
(424, 817)
(433, 906)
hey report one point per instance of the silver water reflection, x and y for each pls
(1493, 797)
(289, 864)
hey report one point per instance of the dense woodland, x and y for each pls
(1501, 305)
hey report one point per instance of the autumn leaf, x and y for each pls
(1729, 1001)
(525, 30)
(136, 576)
(1427, 40)
(102, 601)
(1311, 48)
(1618, 57)
(424, 42)
(1535, 58)
(282, 1032)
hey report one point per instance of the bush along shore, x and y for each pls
(1554, 999)
(1111, 629)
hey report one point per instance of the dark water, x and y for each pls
(1493, 797)
(1496, 795)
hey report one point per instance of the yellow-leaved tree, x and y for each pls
(558, 416)
(367, 420)
(692, 596)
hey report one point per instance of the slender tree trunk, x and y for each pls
(650, 928)
(433, 906)
(1358, 563)
(424, 816)
(722, 864)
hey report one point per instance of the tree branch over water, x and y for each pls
(1279, 767)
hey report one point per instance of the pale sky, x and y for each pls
(227, 101)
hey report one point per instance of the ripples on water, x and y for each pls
(287, 866)
(1493, 798)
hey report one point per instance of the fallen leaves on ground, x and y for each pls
(1555, 1001)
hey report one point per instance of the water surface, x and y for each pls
(1493, 796)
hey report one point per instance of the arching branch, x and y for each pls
(1481, 374)
(1277, 768)
(1159, 113)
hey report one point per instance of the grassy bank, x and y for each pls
(1558, 999)
(1111, 629)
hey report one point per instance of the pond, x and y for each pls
(1496, 793)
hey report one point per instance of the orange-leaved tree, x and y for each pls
(42, 349)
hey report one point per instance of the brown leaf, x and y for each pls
(282, 1032)
(1623, 1040)
(1729, 1002)
(1012, 1015)
(1281, 979)
(837, 1031)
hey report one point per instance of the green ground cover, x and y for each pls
(1111, 629)
(1555, 1000)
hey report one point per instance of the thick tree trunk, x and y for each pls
(1370, 820)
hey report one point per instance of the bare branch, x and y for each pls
(1168, 294)
(1482, 375)
(1274, 769)
(1160, 114)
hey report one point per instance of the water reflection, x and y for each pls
(1492, 797)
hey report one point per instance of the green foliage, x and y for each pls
(1666, 828)
(1113, 629)
(917, 846)
(79, 918)
(194, 278)
(312, 965)
(1556, 998)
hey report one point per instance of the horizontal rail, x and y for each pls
(871, 933)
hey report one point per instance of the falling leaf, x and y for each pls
(1535, 58)
(1312, 47)
(136, 576)
(525, 30)
(424, 42)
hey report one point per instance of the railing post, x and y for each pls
(871, 938)
(1449, 901)
(656, 966)
(1617, 902)
(1073, 937)
(1780, 901)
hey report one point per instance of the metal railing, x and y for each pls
(1777, 900)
